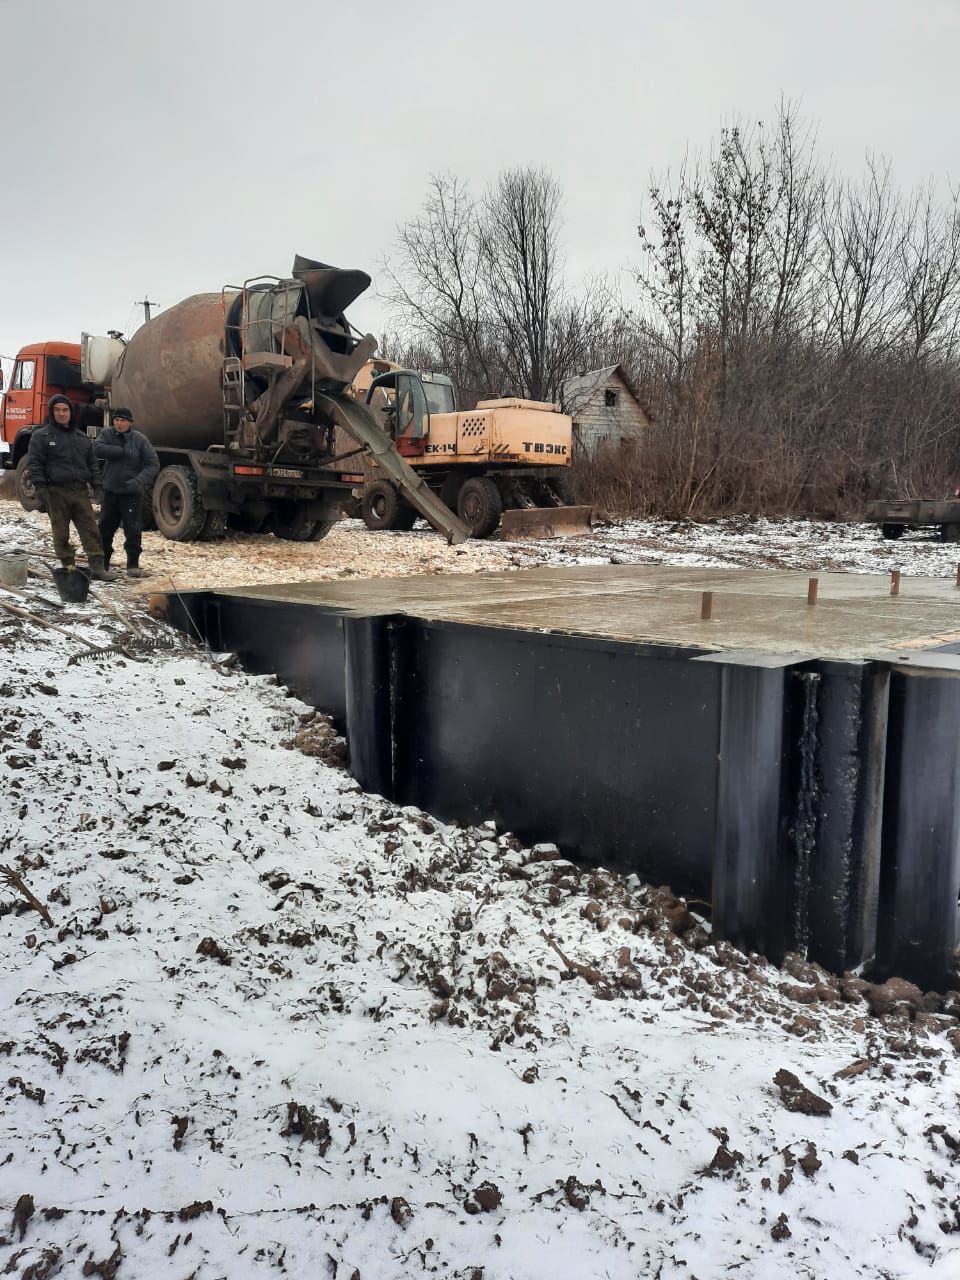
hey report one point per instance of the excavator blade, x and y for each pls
(545, 522)
(365, 429)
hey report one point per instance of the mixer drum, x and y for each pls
(170, 375)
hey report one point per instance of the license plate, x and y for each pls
(286, 473)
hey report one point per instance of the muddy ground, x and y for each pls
(351, 550)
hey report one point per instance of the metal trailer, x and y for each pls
(895, 518)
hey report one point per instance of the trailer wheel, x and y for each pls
(950, 533)
(893, 531)
(380, 506)
(177, 506)
(290, 521)
(480, 506)
(24, 486)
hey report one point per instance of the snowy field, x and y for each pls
(258, 1023)
(742, 543)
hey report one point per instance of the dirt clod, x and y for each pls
(780, 1230)
(483, 1198)
(22, 1213)
(400, 1211)
(797, 1097)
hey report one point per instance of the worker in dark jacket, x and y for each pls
(130, 466)
(61, 464)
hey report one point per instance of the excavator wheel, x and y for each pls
(480, 506)
(560, 485)
(381, 506)
(177, 506)
(291, 522)
(450, 489)
(25, 490)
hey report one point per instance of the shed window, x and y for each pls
(610, 398)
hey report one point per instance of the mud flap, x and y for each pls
(360, 423)
(545, 522)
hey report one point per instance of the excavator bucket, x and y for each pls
(545, 522)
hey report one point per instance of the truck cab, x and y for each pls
(40, 371)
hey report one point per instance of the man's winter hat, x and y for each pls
(122, 413)
(54, 401)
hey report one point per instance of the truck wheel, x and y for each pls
(321, 529)
(893, 531)
(380, 505)
(245, 522)
(25, 490)
(214, 526)
(480, 506)
(147, 522)
(406, 518)
(177, 506)
(950, 533)
(291, 522)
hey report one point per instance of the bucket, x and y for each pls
(72, 584)
(13, 569)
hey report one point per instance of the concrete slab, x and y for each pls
(753, 610)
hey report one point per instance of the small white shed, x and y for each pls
(605, 409)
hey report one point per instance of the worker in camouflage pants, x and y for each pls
(61, 464)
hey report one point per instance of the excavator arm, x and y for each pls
(362, 425)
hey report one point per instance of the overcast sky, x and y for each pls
(168, 148)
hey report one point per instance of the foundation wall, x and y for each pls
(815, 804)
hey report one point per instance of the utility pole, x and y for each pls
(146, 304)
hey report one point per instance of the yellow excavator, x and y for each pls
(503, 465)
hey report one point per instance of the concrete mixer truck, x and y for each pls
(243, 393)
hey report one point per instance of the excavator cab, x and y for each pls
(400, 397)
(438, 389)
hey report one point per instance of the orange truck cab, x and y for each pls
(40, 371)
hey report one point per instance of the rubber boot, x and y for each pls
(134, 571)
(99, 572)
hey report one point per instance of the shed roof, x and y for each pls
(578, 389)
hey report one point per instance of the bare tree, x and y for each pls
(438, 289)
(861, 230)
(667, 283)
(482, 284)
(792, 228)
(930, 267)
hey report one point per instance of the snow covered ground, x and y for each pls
(351, 550)
(741, 542)
(277, 1026)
